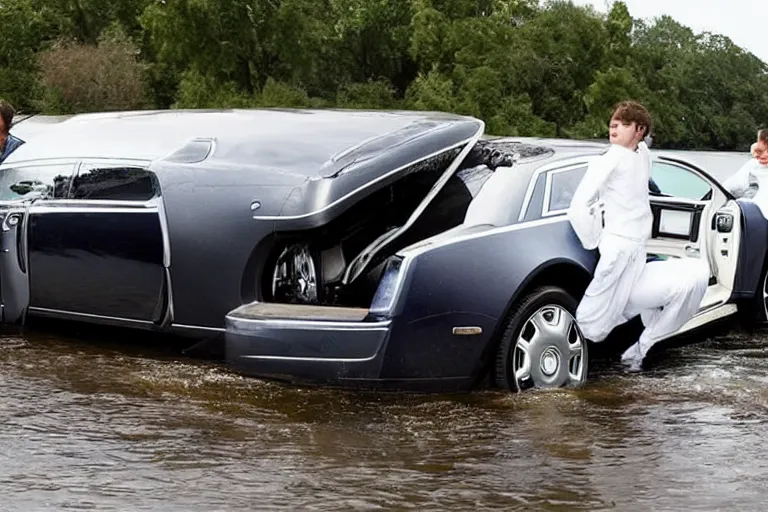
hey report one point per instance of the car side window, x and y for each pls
(114, 183)
(561, 185)
(35, 182)
(677, 181)
(533, 206)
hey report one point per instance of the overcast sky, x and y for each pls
(745, 22)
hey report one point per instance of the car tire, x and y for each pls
(760, 301)
(753, 312)
(542, 346)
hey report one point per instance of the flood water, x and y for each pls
(90, 424)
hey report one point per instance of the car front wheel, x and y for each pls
(542, 346)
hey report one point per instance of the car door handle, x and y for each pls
(689, 249)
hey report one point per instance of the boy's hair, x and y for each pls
(762, 135)
(7, 112)
(633, 112)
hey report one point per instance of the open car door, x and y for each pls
(14, 276)
(694, 217)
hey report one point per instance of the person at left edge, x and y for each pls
(8, 142)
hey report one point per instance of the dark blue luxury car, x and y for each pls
(392, 250)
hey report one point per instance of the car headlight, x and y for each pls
(389, 285)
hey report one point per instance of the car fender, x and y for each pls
(468, 283)
(752, 252)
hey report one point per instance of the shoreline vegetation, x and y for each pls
(526, 67)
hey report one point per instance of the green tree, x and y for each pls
(23, 31)
(91, 78)
(564, 46)
(525, 67)
(610, 87)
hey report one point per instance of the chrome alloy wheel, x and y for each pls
(765, 296)
(295, 277)
(550, 350)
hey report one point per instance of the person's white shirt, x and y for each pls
(613, 197)
(750, 183)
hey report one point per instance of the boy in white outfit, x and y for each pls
(610, 211)
(751, 181)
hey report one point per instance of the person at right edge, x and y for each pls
(611, 212)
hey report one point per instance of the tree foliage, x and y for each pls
(103, 77)
(526, 67)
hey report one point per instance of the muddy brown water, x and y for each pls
(89, 424)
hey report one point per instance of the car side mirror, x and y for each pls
(724, 222)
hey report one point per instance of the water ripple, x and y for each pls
(93, 426)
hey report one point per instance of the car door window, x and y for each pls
(35, 182)
(114, 183)
(533, 206)
(677, 181)
(561, 185)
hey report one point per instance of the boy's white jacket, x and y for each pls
(633, 215)
(750, 183)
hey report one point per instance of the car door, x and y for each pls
(20, 187)
(694, 217)
(102, 253)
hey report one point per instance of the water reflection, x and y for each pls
(99, 425)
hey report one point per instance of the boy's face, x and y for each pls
(624, 134)
(761, 152)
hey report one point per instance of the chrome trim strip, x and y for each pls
(677, 200)
(39, 209)
(304, 325)
(314, 359)
(74, 160)
(164, 230)
(426, 247)
(170, 312)
(547, 193)
(62, 313)
(25, 247)
(77, 203)
(75, 175)
(368, 184)
(40, 162)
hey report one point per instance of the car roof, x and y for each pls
(304, 141)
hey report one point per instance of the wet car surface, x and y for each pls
(91, 423)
